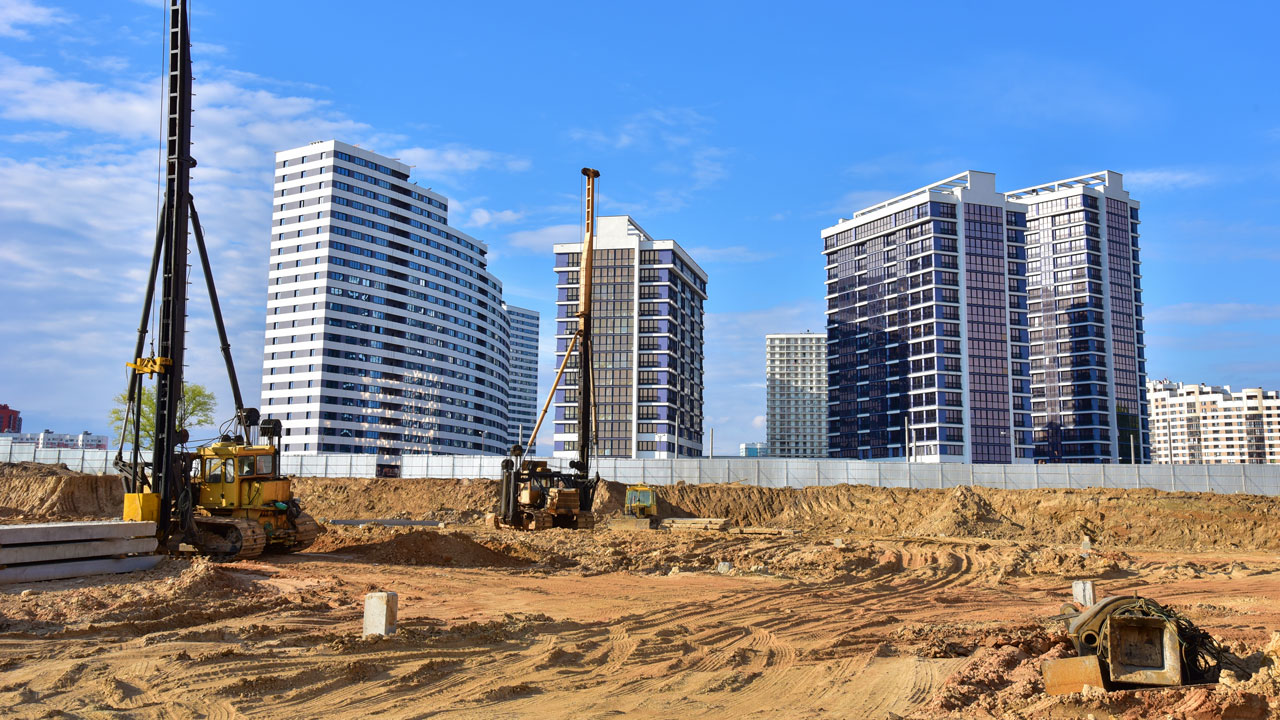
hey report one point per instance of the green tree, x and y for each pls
(195, 410)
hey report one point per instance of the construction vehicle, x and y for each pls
(532, 496)
(226, 500)
(639, 508)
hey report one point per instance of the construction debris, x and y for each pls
(719, 524)
(1131, 642)
(50, 551)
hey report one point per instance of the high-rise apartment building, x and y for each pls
(1211, 424)
(1088, 362)
(970, 324)
(646, 334)
(927, 327)
(385, 329)
(522, 405)
(796, 394)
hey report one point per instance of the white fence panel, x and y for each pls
(761, 472)
(893, 474)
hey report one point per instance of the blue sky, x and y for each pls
(739, 129)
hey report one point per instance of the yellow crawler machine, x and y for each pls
(241, 485)
(639, 508)
(227, 499)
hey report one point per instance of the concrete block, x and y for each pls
(73, 531)
(1082, 592)
(18, 554)
(381, 610)
(77, 568)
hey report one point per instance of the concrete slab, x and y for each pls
(77, 568)
(73, 531)
(18, 554)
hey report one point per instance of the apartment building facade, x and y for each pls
(1212, 424)
(970, 324)
(1088, 355)
(648, 300)
(927, 336)
(385, 331)
(796, 394)
(522, 405)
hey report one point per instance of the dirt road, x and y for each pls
(281, 638)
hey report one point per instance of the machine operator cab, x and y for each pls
(232, 475)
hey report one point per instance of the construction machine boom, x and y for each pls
(227, 500)
(531, 496)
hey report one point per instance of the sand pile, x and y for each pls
(31, 491)
(966, 513)
(409, 498)
(396, 546)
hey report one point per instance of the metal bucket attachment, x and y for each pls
(1070, 675)
(1143, 651)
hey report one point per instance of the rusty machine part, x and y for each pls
(1134, 641)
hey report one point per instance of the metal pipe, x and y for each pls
(556, 383)
(217, 318)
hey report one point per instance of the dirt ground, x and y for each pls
(887, 604)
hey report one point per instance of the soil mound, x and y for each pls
(36, 490)
(966, 513)
(407, 498)
(415, 547)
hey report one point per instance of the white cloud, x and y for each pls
(1166, 179)
(758, 422)
(24, 12)
(451, 159)
(731, 254)
(481, 217)
(35, 93)
(38, 136)
(680, 137)
(543, 238)
(670, 127)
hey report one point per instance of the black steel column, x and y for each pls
(171, 331)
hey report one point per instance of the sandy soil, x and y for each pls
(944, 614)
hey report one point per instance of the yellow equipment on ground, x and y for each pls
(641, 502)
(639, 508)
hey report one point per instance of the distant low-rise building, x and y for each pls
(50, 440)
(1212, 424)
(10, 420)
(756, 449)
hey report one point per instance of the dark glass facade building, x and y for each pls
(926, 328)
(1088, 357)
(969, 325)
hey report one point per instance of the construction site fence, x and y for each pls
(762, 472)
(798, 473)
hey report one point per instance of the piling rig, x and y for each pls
(532, 496)
(226, 499)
